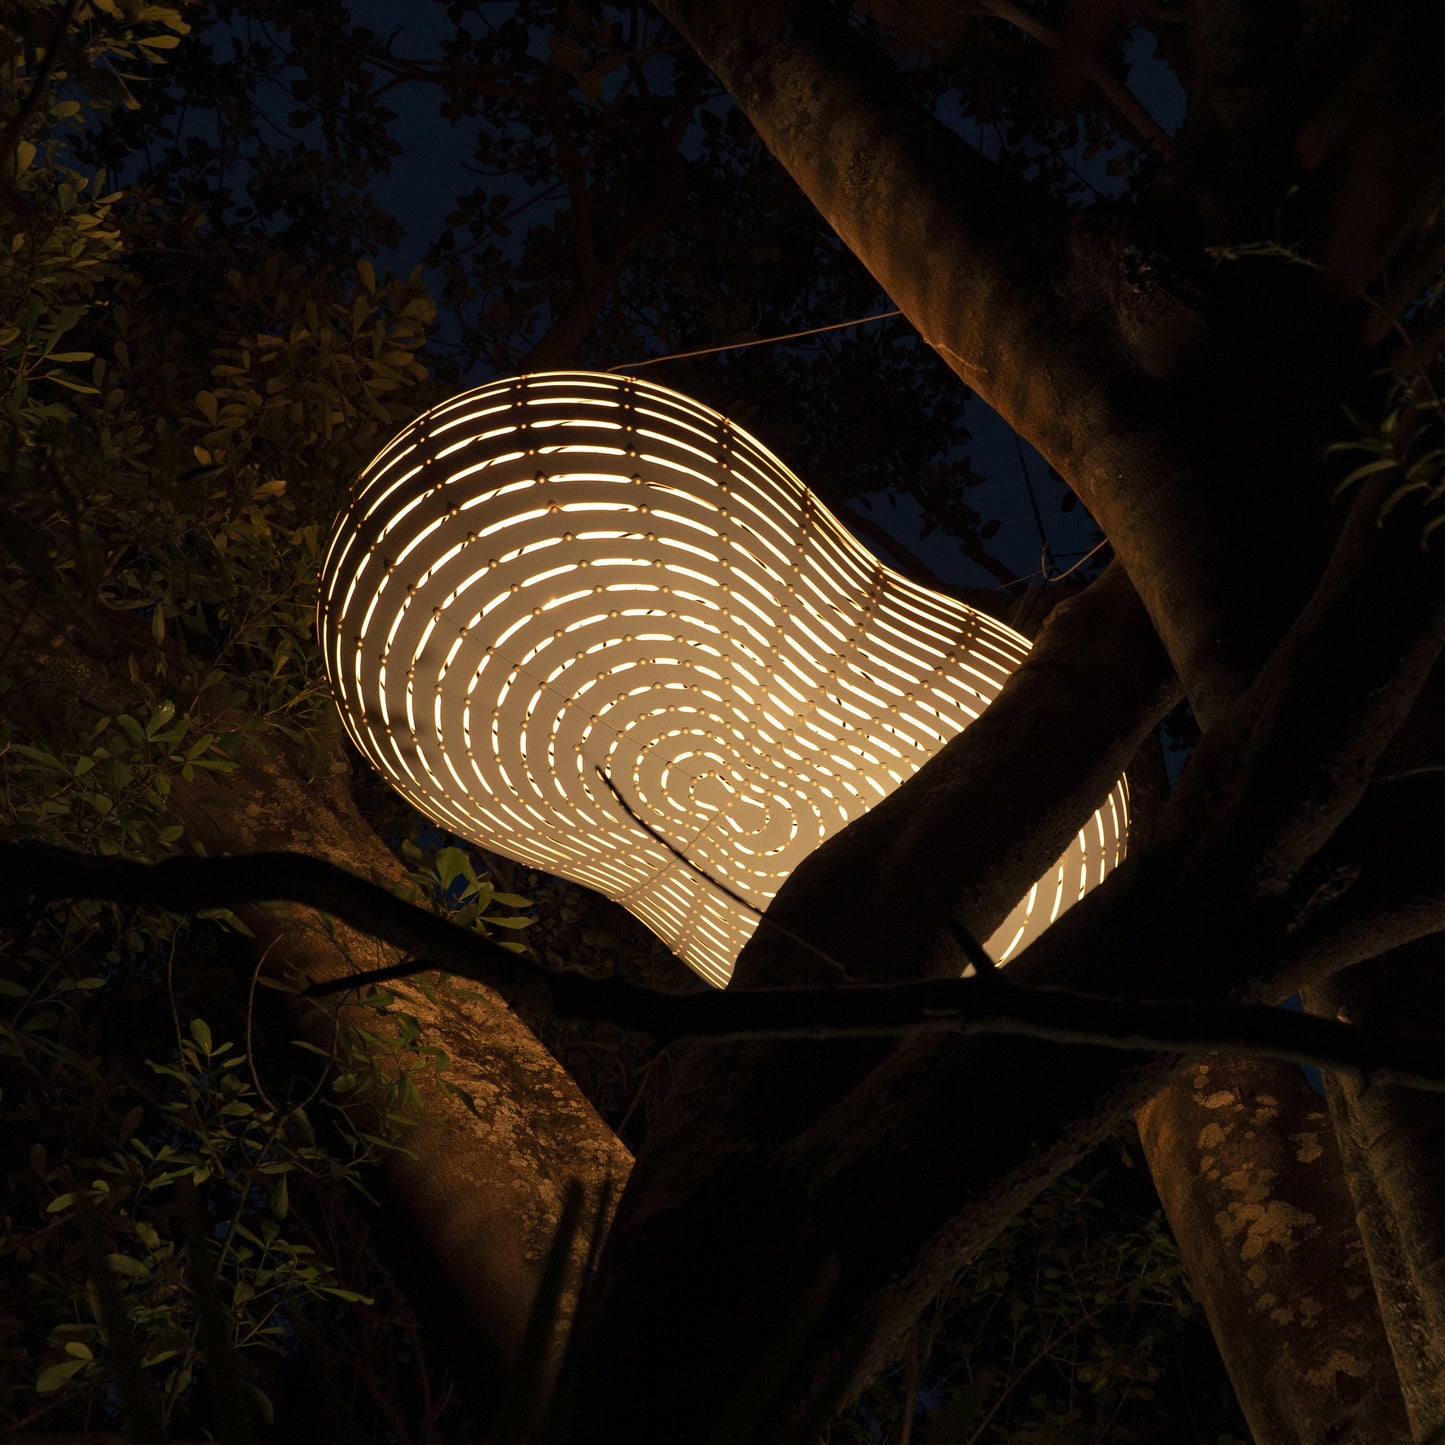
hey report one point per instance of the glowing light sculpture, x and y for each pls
(569, 575)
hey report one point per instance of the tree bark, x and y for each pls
(1108, 353)
(1248, 1170)
(1087, 342)
(1096, 676)
(1233, 1143)
(1393, 1144)
(477, 1197)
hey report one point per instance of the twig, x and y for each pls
(721, 887)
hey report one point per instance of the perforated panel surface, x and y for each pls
(572, 573)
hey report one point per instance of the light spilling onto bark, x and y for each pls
(590, 624)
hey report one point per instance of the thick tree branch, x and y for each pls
(836, 115)
(1391, 1147)
(1275, 782)
(1081, 333)
(1253, 73)
(1096, 676)
(1250, 1176)
(476, 1196)
(1378, 886)
(1130, 109)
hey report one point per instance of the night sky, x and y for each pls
(420, 192)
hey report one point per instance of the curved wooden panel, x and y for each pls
(565, 605)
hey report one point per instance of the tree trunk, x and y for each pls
(1248, 1170)
(1090, 367)
(1393, 1143)
(1089, 341)
(479, 1195)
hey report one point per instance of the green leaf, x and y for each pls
(450, 863)
(55, 1377)
(123, 1264)
(161, 716)
(263, 1401)
(69, 383)
(201, 1033)
(130, 727)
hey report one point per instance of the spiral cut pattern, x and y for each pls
(591, 625)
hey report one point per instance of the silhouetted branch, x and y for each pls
(953, 1005)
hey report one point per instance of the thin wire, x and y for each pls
(1046, 559)
(761, 341)
(1042, 571)
(1081, 560)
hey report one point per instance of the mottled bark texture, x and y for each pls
(1393, 1142)
(1248, 1170)
(1247, 1166)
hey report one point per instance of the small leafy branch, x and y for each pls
(210, 1127)
(1407, 443)
(448, 876)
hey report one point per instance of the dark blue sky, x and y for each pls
(420, 191)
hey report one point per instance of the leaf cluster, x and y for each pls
(166, 487)
(1077, 1324)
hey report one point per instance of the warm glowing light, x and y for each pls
(572, 576)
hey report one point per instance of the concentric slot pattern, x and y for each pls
(571, 576)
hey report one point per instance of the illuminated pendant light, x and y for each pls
(571, 615)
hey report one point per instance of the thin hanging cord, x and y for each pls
(1099, 548)
(1046, 560)
(722, 887)
(742, 345)
(1058, 577)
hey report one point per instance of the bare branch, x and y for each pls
(1131, 110)
(955, 1005)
